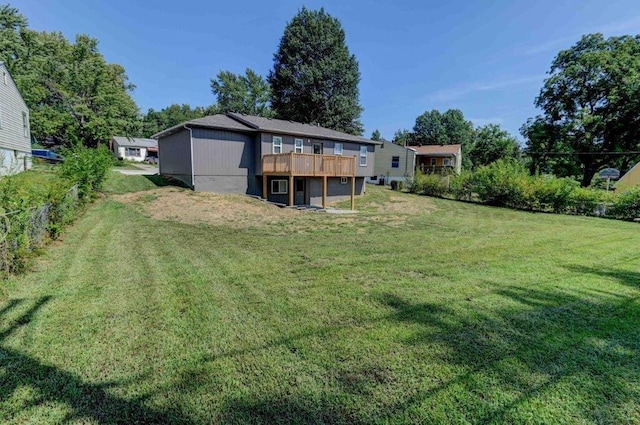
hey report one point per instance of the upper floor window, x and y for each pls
(299, 145)
(25, 124)
(277, 144)
(337, 149)
(395, 162)
(363, 156)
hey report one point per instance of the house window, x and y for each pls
(395, 162)
(25, 124)
(279, 187)
(344, 180)
(447, 162)
(5, 78)
(337, 149)
(132, 151)
(363, 156)
(317, 148)
(433, 162)
(299, 147)
(277, 144)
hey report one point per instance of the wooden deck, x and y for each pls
(309, 165)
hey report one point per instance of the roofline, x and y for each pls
(253, 129)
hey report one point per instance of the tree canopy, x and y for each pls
(591, 103)
(156, 121)
(73, 94)
(314, 77)
(492, 143)
(246, 94)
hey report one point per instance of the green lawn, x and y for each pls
(458, 314)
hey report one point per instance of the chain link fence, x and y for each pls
(23, 231)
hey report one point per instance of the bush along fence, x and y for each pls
(37, 205)
(508, 184)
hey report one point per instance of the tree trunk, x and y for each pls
(590, 168)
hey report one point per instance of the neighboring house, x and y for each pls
(135, 149)
(438, 158)
(15, 135)
(393, 162)
(631, 178)
(283, 161)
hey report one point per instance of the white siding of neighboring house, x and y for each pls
(122, 154)
(15, 143)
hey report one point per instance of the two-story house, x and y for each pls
(15, 136)
(282, 161)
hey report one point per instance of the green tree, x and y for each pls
(491, 144)
(73, 94)
(429, 129)
(376, 135)
(403, 137)
(314, 77)
(246, 94)
(156, 121)
(592, 96)
(546, 151)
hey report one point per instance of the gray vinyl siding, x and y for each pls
(224, 161)
(174, 153)
(384, 156)
(335, 190)
(349, 149)
(12, 106)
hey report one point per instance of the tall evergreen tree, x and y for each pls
(314, 77)
(246, 94)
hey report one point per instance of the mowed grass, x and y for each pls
(459, 314)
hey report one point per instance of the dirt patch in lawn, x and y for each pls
(239, 211)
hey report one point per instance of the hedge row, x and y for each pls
(508, 184)
(36, 205)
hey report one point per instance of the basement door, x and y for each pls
(299, 198)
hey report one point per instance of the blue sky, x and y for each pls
(486, 58)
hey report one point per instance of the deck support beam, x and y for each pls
(353, 193)
(291, 190)
(324, 191)
(264, 186)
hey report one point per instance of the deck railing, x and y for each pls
(303, 164)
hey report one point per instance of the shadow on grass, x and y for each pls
(86, 401)
(160, 181)
(625, 277)
(543, 338)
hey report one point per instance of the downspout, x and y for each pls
(193, 172)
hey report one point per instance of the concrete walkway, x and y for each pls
(145, 169)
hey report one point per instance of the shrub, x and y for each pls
(87, 168)
(627, 205)
(433, 185)
(502, 183)
(549, 193)
(396, 185)
(586, 201)
(33, 205)
(461, 186)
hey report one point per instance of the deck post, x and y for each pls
(264, 186)
(290, 190)
(324, 191)
(353, 193)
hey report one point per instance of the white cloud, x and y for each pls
(615, 28)
(477, 122)
(482, 86)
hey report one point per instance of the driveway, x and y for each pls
(145, 169)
